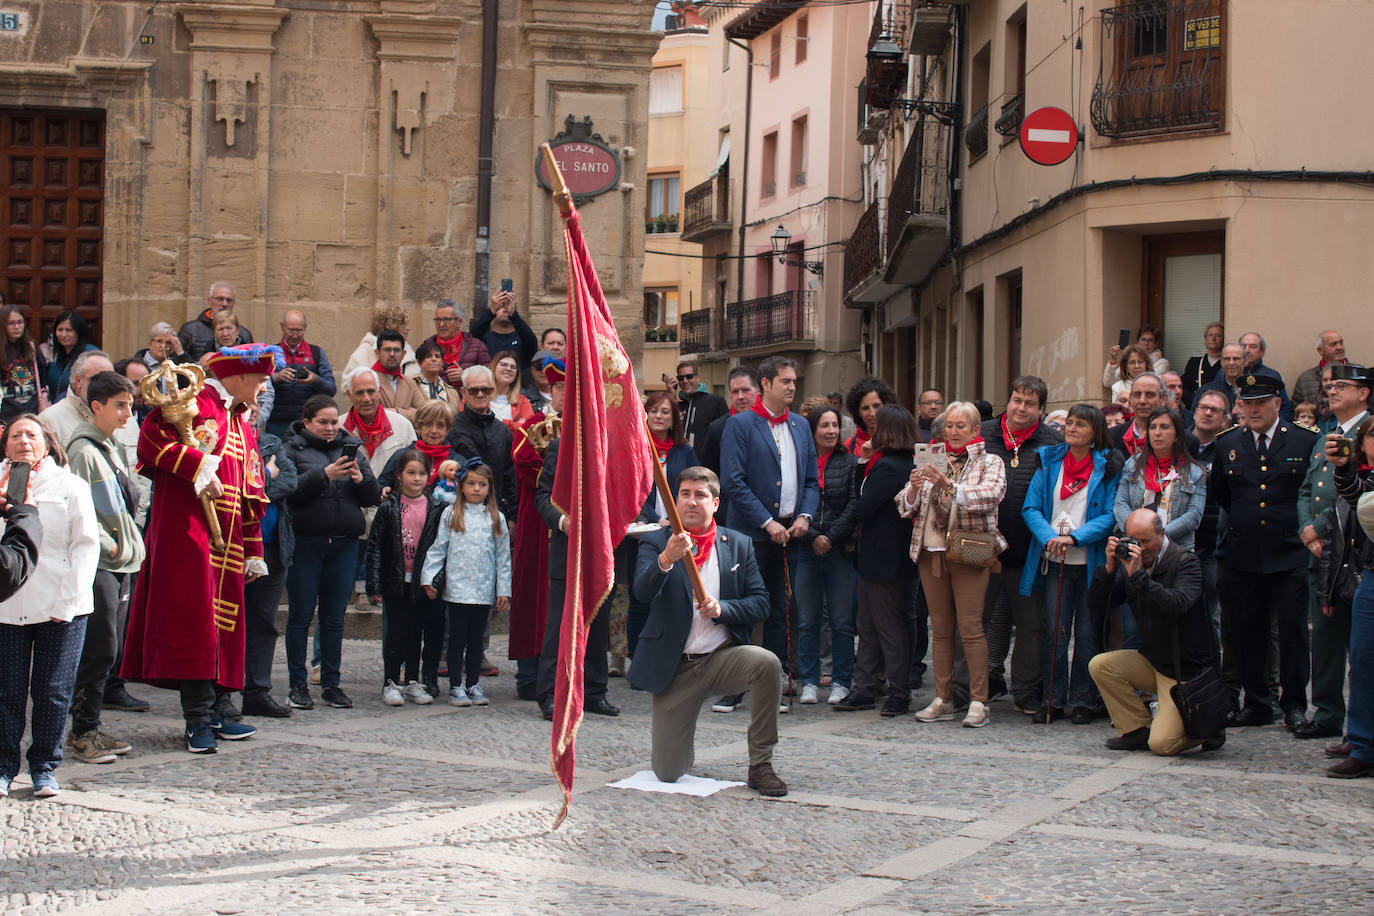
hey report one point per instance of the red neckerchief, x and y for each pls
(762, 411)
(821, 461)
(1013, 442)
(373, 434)
(300, 356)
(951, 450)
(1155, 470)
(1130, 439)
(872, 463)
(453, 348)
(856, 441)
(378, 367)
(703, 544)
(661, 446)
(1366, 468)
(1076, 474)
(437, 454)
(1322, 365)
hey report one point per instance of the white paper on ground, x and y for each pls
(687, 784)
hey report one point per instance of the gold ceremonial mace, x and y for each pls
(179, 409)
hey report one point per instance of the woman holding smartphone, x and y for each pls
(333, 485)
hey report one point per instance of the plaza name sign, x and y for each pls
(589, 165)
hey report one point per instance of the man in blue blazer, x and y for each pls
(689, 651)
(768, 474)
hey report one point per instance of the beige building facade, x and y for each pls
(325, 157)
(787, 176)
(1212, 181)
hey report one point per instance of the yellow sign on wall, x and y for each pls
(1202, 33)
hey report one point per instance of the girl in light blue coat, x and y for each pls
(1163, 477)
(472, 552)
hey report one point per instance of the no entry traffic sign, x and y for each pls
(1048, 135)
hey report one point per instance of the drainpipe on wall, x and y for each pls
(486, 129)
(744, 165)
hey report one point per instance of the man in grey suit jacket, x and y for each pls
(689, 651)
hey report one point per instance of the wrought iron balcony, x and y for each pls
(706, 208)
(976, 134)
(1013, 110)
(918, 206)
(773, 321)
(865, 259)
(694, 331)
(1162, 68)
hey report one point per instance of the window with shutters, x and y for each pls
(665, 91)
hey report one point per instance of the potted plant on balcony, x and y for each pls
(662, 222)
(672, 222)
(650, 227)
(670, 333)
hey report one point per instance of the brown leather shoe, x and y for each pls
(763, 780)
(1339, 750)
(1349, 768)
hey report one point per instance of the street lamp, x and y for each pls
(779, 240)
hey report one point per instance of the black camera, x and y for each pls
(300, 372)
(1123, 547)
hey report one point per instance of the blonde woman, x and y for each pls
(964, 495)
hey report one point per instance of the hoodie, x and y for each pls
(98, 460)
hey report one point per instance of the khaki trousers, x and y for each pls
(955, 592)
(1118, 676)
(732, 669)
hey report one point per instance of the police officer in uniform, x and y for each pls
(1256, 473)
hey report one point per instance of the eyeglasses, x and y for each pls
(1207, 408)
(438, 320)
(1339, 386)
(226, 300)
(686, 376)
(479, 391)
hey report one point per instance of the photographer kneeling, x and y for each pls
(1163, 584)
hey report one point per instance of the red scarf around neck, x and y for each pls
(856, 441)
(299, 356)
(1156, 469)
(453, 348)
(437, 455)
(1012, 440)
(821, 462)
(951, 450)
(661, 446)
(1130, 439)
(373, 434)
(702, 544)
(383, 370)
(1076, 474)
(763, 412)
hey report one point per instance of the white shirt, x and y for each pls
(787, 456)
(1268, 437)
(706, 635)
(1349, 426)
(1073, 512)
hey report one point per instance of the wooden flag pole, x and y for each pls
(555, 175)
(670, 507)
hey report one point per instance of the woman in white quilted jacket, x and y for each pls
(43, 624)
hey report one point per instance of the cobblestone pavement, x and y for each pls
(436, 809)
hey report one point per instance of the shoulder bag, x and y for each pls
(1202, 700)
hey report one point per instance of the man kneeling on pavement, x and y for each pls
(689, 651)
(1162, 582)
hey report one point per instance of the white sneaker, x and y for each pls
(417, 694)
(784, 706)
(938, 711)
(837, 694)
(391, 695)
(977, 715)
(459, 697)
(810, 695)
(477, 695)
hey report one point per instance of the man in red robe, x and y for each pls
(530, 584)
(186, 627)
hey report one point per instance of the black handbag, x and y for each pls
(1202, 700)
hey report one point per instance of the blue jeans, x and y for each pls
(38, 661)
(1071, 685)
(825, 584)
(321, 572)
(1359, 715)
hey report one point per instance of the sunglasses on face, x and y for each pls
(479, 391)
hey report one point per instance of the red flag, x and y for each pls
(603, 478)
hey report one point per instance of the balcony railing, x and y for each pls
(694, 331)
(706, 208)
(921, 185)
(863, 253)
(976, 134)
(1162, 68)
(1013, 110)
(788, 317)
